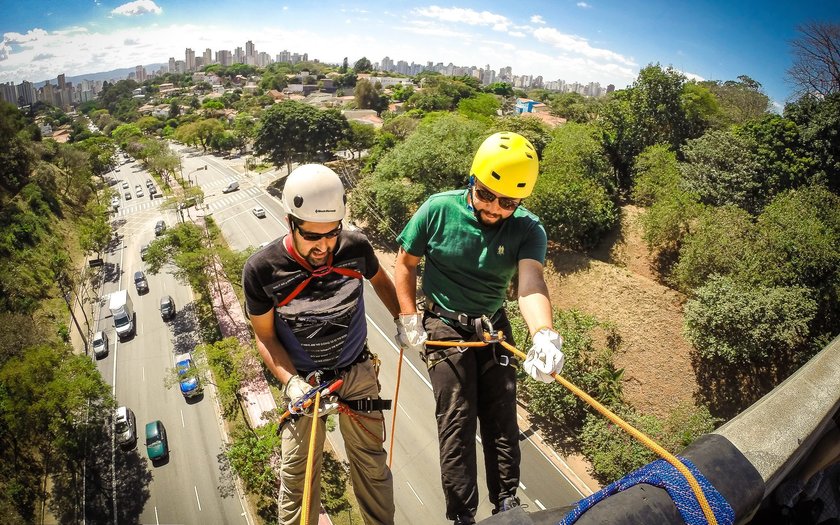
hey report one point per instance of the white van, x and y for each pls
(233, 186)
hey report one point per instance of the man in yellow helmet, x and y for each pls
(474, 241)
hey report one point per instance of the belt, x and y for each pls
(315, 377)
(467, 321)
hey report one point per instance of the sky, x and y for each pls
(576, 41)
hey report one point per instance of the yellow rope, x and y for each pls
(394, 415)
(310, 460)
(640, 436)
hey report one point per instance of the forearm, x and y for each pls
(536, 310)
(277, 360)
(405, 279)
(384, 288)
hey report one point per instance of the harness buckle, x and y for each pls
(503, 359)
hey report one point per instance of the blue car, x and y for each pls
(188, 378)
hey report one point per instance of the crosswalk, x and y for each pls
(228, 200)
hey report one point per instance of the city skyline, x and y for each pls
(571, 41)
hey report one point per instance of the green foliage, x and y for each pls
(15, 156)
(722, 168)
(52, 405)
(183, 246)
(503, 89)
(740, 101)
(254, 456)
(369, 97)
(614, 453)
(666, 223)
(587, 366)
(223, 358)
(436, 157)
(482, 106)
(94, 229)
(537, 133)
(360, 137)
(572, 195)
(656, 174)
(719, 243)
(295, 132)
(818, 120)
(573, 107)
(334, 477)
(739, 322)
(363, 65)
(402, 92)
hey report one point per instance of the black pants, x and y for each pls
(471, 386)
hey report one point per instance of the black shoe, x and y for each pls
(464, 520)
(507, 504)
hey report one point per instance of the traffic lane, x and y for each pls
(242, 229)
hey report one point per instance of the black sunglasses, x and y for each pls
(312, 236)
(506, 203)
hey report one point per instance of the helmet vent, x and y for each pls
(496, 175)
(521, 185)
(298, 201)
(529, 155)
(505, 146)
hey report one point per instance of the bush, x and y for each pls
(717, 244)
(739, 322)
(614, 453)
(575, 211)
(666, 223)
(588, 367)
(656, 174)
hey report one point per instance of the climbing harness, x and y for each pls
(301, 405)
(491, 336)
(313, 272)
(478, 325)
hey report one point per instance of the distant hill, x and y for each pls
(114, 74)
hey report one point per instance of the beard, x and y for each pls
(494, 220)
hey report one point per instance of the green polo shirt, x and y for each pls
(469, 265)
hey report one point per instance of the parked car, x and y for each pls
(233, 186)
(258, 212)
(128, 195)
(157, 446)
(160, 227)
(125, 426)
(188, 378)
(125, 185)
(115, 201)
(167, 307)
(144, 251)
(149, 182)
(100, 344)
(139, 192)
(140, 282)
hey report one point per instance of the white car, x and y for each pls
(139, 192)
(258, 212)
(125, 185)
(115, 201)
(100, 344)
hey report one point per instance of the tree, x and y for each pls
(502, 89)
(739, 322)
(363, 65)
(816, 59)
(656, 174)
(343, 68)
(740, 101)
(818, 120)
(369, 97)
(292, 131)
(482, 106)
(722, 168)
(360, 137)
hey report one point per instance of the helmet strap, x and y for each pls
(470, 185)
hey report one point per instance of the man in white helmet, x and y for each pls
(304, 295)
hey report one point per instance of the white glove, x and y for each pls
(297, 387)
(410, 332)
(545, 357)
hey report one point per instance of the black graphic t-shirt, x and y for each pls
(323, 327)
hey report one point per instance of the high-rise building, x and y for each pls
(284, 56)
(224, 57)
(189, 59)
(140, 74)
(610, 88)
(61, 82)
(9, 93)
(250, 51)
(207, 57)
(26, 93)
(172, 65)
(238, 56)
(387, 64)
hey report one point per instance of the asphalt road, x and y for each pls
(185, 488)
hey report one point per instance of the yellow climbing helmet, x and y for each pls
(506, 162)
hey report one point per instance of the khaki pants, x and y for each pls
(369, 472)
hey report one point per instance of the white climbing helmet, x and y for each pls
(314, 193)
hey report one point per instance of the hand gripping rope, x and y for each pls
(491, 336)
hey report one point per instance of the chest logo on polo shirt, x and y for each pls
(500, 250)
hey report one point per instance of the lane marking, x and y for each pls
(522, 486)
(415, 493)
(143, 369)
(539, 504)
(183, 425)
(196, 498)
(157, 520)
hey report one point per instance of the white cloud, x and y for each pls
(537, 19)
(31, 36)
(577, 45)
(138, 7)
(465, 16)
(583, 5)
(692, 76)
(517, 34)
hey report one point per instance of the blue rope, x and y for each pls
(662, 474)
